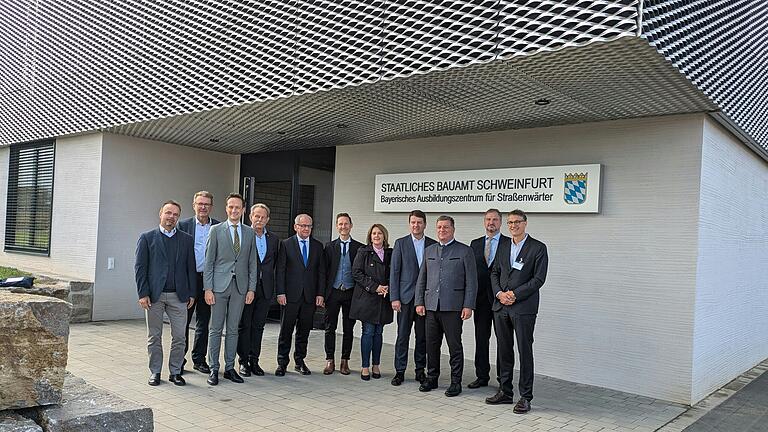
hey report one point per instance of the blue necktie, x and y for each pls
(304, 252)
(344, 249)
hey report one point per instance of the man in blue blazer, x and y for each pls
(518, 273)
(165, 281)
(199, 226)
(407, 257)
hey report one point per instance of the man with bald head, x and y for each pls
(300, 287)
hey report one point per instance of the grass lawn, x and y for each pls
(6, 272)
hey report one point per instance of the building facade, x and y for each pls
(108, 109)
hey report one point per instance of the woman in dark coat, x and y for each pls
(370, 301)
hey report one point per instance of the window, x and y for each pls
(30, 198)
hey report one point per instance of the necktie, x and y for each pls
(488, 250)
(236, 242)
(343, 248)
(304, 252)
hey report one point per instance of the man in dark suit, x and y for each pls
(165, 281)
(198, 227)
(339, 286)
(300, 284)
(485, 249)
(517, 275)
(407, 256)
(255, 314)
(446, 291)
(229, 282)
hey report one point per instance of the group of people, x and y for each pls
(230, 274)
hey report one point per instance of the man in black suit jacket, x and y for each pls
(255, 314)
(198, 227)
(485, 249)
(339, 286)
(517, 275)
(300, 284)
(165, 278)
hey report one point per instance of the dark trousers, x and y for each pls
(340, 300)
(251, 328)
(446, 323)
(483, 317)
(508, 326)
(299, 316)
(202, 313)
(406, 319)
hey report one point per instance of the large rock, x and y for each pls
(59, 290)
(12, 422)
(87, 408)
(34, 332)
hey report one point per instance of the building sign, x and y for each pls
(555, 189)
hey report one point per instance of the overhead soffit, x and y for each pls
(68, 66)
(625, 78)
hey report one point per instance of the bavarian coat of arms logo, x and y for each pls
(575, 188)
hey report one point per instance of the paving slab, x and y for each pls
(113, 355)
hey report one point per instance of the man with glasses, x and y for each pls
(517, 275)
(199, 226)
(300, 285)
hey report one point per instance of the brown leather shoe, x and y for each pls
(330, 366)
(522, 406)
(344, 369)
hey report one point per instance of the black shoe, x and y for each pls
(154, 380)
(245, 369)
(453, 390)
(375, 375)
(365, 377)
(522, 406)
(398, 379)
(428, 385)
(480, 382)
(177, 379)
(499, 398)
(420, 375)
(280, 371)
(213, 378)
(256, 369)
(202, 367)
(233, 376)
(302, 368)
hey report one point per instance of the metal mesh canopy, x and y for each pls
(243, 76)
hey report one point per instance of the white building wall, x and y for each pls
(138, 176)
(77, 171)
(731, 310)
(617, 308)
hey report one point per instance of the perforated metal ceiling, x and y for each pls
(722, 47)
(243, 76)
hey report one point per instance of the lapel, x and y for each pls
(296, 246)
(412, 249)
(159, 242)
(226, 238)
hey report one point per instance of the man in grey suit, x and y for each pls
(165, 281)
(446, 292)
(407, 257)
(229, 280)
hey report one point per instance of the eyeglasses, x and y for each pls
(304, 226)
(515, 223)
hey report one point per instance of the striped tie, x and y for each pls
(236, 242)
